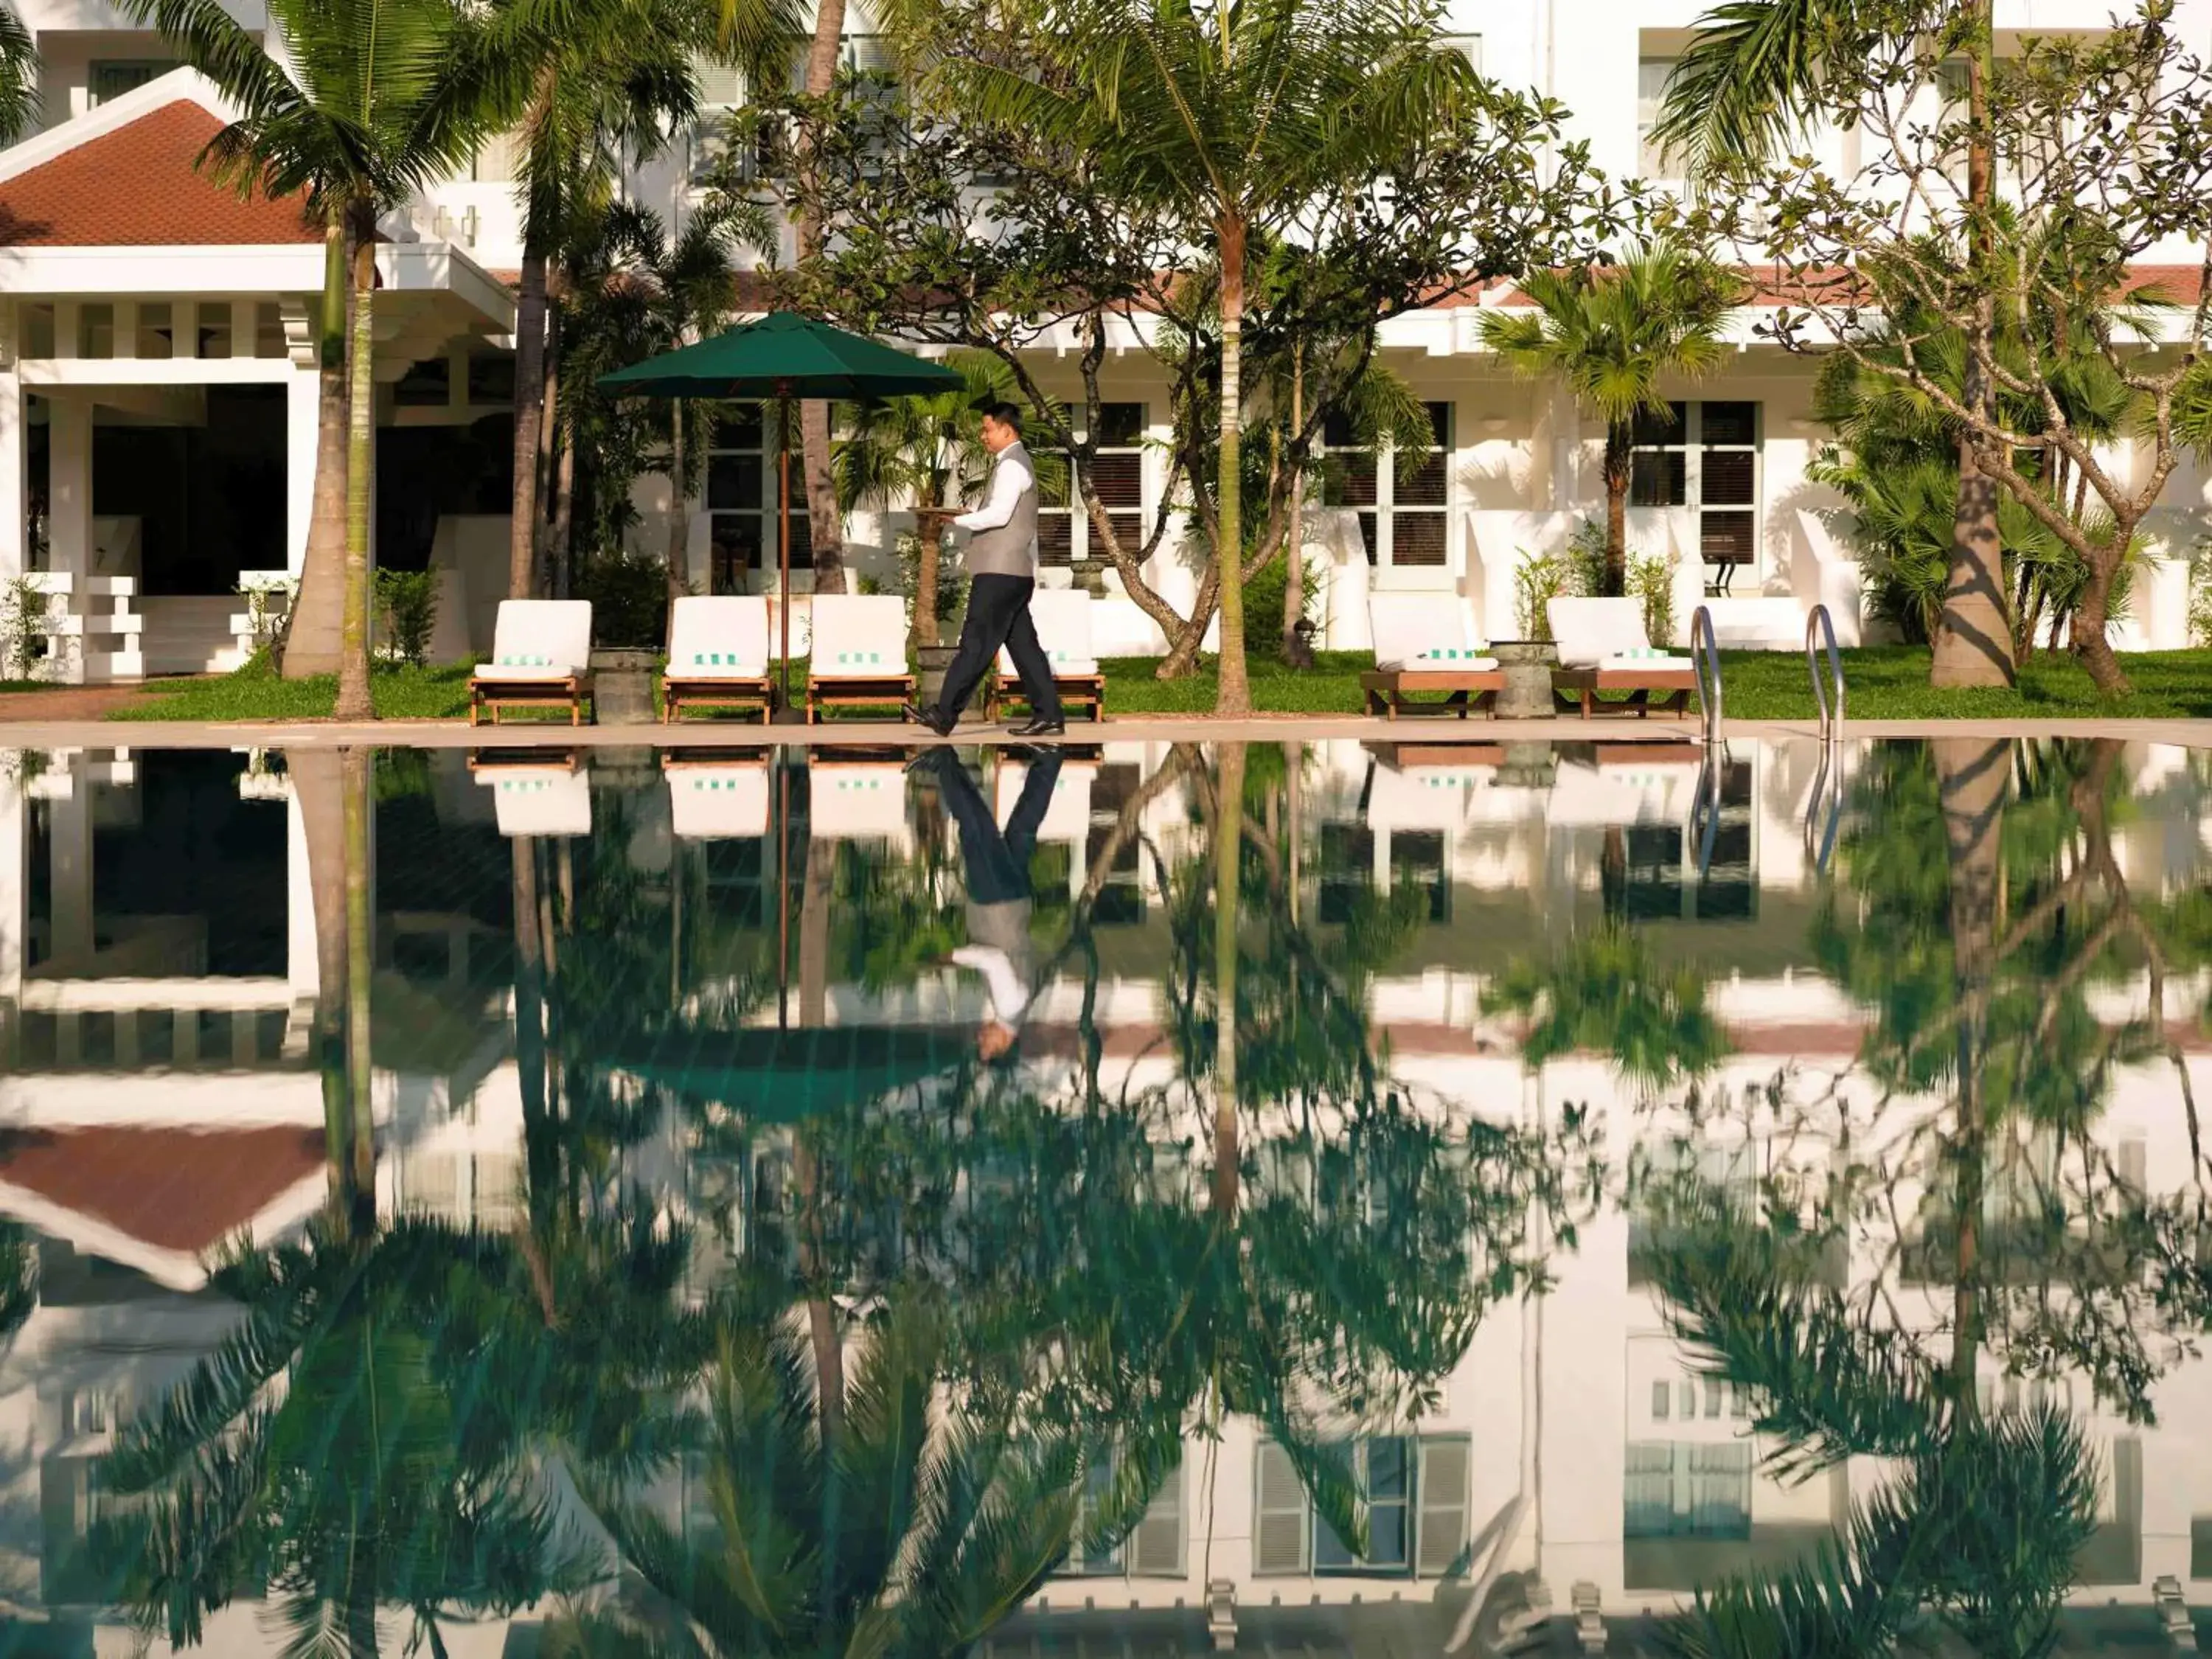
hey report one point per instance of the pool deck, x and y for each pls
(34, 733)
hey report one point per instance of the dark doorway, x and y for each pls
(425, 472)
(211, 501)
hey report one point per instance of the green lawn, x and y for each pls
(1885, 682)
(255, 693)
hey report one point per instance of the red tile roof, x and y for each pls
(141, 186)
(175, 1189)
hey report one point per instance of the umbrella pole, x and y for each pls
(783, 538)
(783, 893)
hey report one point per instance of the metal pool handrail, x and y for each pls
(1820, 625)
(1705, 660)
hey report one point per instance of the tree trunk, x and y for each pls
(558, 548)
(318, 785)
(538, 1139)
(357, 765)
(1618, 470)
(315, 636)
(824, 523)
(353, 703)
(529, 412)
(1295, 650)
(823, 1329)
(2092, 644)
(1234, 694)
(549, 438)
(1972, 776)
(679, 506)
(360, 1598)
(1973, 646)
(925, 565)
(1228, 846)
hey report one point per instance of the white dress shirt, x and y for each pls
(1011, 475)
(1010, 994)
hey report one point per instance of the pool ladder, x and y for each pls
(1824, 811)
(1706, 661)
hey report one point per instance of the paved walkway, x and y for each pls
(75, 725)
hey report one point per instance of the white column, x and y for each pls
(14, 478)
(69, 508)
(68, 867)
(14, 892)
(302, 966)
(302, 416)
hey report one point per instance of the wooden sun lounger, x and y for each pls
(1578, 687)
(745, 695)
(892, 690)
(1391, 690)
(570, 691)
(1076, 690)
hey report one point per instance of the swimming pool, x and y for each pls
(440, 1187)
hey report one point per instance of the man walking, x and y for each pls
(1002, 575)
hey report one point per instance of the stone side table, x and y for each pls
(1527, 664)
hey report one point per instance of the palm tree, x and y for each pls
(1612, 336)
(1234, 114)
(1607, 995)
(20, 102)
(391, 95)
(1756, 74)
(897, 1518)
(929, 450)
(607, 88)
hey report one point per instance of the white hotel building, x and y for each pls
(157, 400)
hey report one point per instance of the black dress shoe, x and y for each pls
(928, 717)
(1041, 728)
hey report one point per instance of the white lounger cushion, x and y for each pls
(859, 636)
(539, 640)
(1068, 816)
(857, 803)
(1605, 633)
(723, 637)
(711, 802)
(540, 800)
(1631, 662)
(1062, 616)
(1426, 633)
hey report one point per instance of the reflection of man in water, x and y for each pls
(998, 869)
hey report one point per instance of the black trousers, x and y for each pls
(999, 614)
(996, 861)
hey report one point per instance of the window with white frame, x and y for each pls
(741, 505)
(1705, 457)
(1402, 510)
(1064, 535)
(1652, 75)
(1153, 1548)
(1688, 1489)
(722, 94)
(1414, 1490)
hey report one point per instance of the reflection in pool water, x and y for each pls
(607, 1202)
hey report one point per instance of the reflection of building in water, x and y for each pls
(158, 972)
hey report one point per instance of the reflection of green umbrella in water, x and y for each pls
(786, 1076)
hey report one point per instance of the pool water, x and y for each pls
(1336, 1198)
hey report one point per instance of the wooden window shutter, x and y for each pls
(1282, 1526)
(1446, 1465)
(1156, 1547)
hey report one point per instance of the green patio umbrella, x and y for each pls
(783, 1076)
(783, 356)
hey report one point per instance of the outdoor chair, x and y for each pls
(858, 658)
(718, 652)
(717, 797)
(1062, 619)
(537, 793)
(1428, 787)
(851, 798)
(1067, 817)
(1426, 645)
(541, 658)
(1603, 647)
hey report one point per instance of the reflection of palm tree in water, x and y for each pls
(997, 866)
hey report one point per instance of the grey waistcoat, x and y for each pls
(1011, 550)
